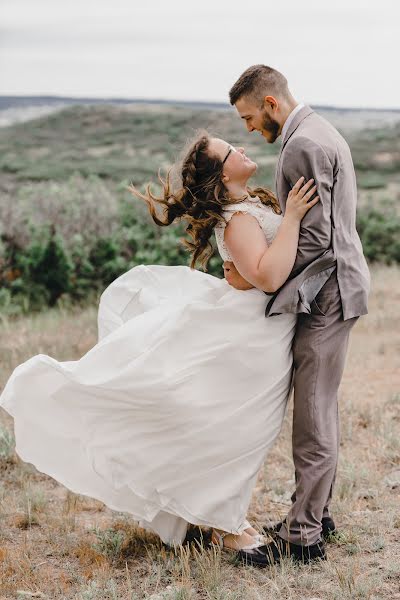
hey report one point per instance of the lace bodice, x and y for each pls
(267, 219)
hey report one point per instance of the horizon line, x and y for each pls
(139, 100)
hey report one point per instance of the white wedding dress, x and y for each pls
(170, 415)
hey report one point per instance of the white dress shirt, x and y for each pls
(290, 119)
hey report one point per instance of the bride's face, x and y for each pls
(237, 166)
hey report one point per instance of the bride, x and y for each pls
(170, 415)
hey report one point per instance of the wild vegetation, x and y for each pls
(68, 226)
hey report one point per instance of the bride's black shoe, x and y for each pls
(328, 528)
(272, 553)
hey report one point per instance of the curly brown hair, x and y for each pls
(199, 200)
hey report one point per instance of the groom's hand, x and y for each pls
(234, 278)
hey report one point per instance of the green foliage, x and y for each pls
(380, 235)
(68, 226)
(48, 265)
(51, 253)
(371, 181)
(109, 542)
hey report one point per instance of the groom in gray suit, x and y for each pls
(328, 288)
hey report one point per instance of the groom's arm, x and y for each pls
(304, 157)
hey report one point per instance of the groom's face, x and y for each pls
(258, 118)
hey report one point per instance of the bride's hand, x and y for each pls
(234, 278)
(299, 199)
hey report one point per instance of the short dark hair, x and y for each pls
(258, 81)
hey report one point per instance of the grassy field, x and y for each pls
(55, 544)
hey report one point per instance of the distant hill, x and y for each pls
(15, 109)
(119, 141)
(24, 101)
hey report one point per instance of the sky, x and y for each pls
(343, 53)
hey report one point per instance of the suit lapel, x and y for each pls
(298, 118)
(305, 112)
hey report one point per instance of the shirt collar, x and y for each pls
(290, 119)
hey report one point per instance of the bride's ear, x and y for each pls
(224, 178)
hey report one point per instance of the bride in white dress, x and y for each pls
(170, 415)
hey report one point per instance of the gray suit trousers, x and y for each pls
(319, 352)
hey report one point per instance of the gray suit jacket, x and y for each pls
(328, 237)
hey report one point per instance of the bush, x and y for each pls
(380, 235)
(76, 206)
(67, 242)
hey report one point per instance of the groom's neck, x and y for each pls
(286, 110)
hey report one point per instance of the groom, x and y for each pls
(328, 288)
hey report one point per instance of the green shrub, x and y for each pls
(52, 268)
(55, 247)
(380, 235)
(49, 267)
(371, 181)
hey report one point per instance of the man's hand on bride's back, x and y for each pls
(234, 278)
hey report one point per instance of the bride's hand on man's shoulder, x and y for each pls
(234, 278)
(300, 199)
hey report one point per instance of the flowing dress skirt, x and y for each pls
(170, 415)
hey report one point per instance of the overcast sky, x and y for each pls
(342, 53)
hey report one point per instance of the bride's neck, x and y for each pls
(237, 191)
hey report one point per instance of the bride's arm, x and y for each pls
(268, 267)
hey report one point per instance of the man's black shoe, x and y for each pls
(272, 553)
(328, 528)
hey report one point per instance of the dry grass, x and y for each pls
(56, 544)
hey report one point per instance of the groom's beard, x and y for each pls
(271, 126)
